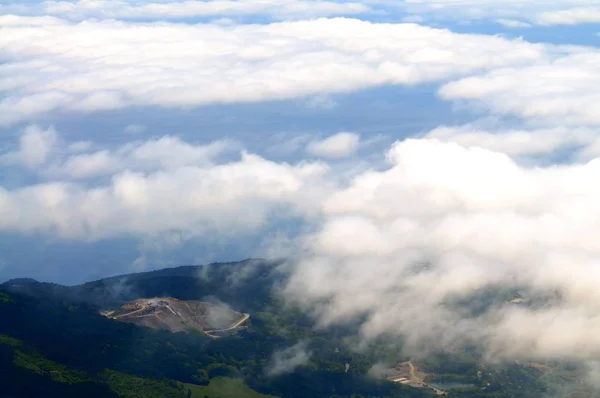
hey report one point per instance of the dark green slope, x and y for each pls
(61, 325)
(245, 285)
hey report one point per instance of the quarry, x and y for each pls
(176, 315)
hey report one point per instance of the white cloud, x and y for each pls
(165, 153)
(570, 16)
(477, 218)
(513, 23)
(134, 129)
(287, 143)
(287, 360)
(35, 144)
(88, 165)
(157, 187)
(56, 65)
(321, 102)
(80, 146)
(143, 9)
(580, 142)
(514, 13)
(339, 145)
(554, 93)
(43, 152)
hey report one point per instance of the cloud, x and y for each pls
(52, 65)
(513, 23)
(321, 102)
(399, 248)
(77, 161)
(579, 143)
(339, 145)
(80, 146)
(513, 14)
(287, 143)
(517, 13)
(35, 144)
(164, 10)
(570, 16)
(134, 129)
(287, 360)
(155, 187)
(555, 92)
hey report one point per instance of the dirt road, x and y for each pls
(235, 325)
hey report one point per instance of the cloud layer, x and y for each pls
(55, 65)
(476, 220)
(165, 10)
(152, 187)
(336, 146)
(513, 14)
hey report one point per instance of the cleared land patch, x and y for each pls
(176, 315)
(224, 387)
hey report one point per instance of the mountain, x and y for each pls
(152, 334)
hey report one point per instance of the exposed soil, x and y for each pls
(176, 315)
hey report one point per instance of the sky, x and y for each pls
(358, 137)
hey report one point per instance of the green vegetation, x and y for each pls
(5, 298)
(223, 387)
(128, 386)
(11, 341)
(27, 374)
(122, 384)
(57, 372)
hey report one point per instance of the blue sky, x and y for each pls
(143, 134)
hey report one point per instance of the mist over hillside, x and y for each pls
(280, 344)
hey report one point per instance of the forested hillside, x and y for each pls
(54, 343)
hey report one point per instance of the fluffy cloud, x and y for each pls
(44, 153)
(398, 246)
(35, 144)
(143, 9)
(336, 146)
(54, 65)
(570, 16)
(558, 92)
(514, 14)
(285, 361)
(577, 143)
(156, 187)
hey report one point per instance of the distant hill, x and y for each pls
(20, 281)
(244, 285)
(54, 342)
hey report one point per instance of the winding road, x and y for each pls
(243, 319)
